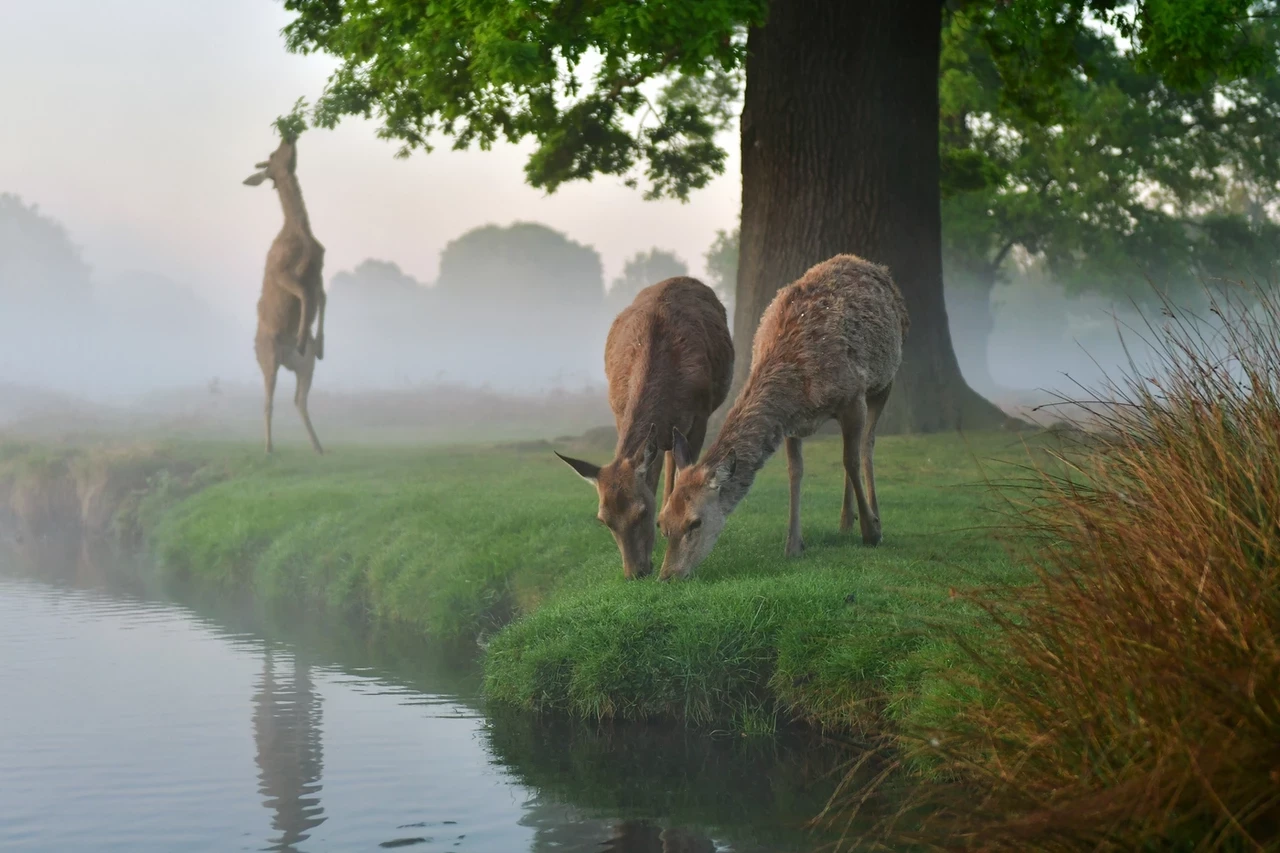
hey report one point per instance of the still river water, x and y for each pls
(141, 719)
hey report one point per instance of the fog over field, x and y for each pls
(131, 254)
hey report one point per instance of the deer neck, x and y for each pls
(752, 432)
(295, 212)
(648, 403)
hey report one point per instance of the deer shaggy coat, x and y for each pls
(828, 346)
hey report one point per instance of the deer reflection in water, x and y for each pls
(642, 836)
(286, 730)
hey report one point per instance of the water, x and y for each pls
(137, 719)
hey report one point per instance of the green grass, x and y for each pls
(451, 543)
(835, 635)
(455, 543)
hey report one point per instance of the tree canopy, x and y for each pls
(1130, 177)
(579, 78)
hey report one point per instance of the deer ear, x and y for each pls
(724, 471)
(650, 450)
(255, 179)
(585, 470)
(680, 449)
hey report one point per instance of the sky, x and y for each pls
(134, 122)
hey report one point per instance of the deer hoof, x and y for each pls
(319, 348)
(796, 548)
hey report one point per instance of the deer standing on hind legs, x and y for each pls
(669, 361)
(292, 291)
(828, 346)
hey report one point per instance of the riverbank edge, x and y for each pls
(123, 494)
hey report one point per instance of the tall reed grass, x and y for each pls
(1131, 697)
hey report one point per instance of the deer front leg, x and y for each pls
(795, 471)
(853, 424)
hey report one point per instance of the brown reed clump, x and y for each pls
(1133, 699)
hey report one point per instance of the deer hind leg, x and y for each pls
(853, 422)
(321, 300)
(795, 471)
(306, 369)
(294, 288)
(875, 406)
(270, 368)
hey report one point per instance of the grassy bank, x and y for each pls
(456, 543)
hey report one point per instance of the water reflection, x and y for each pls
(664, 789)
(642, 836)
(286, 731)
(565, 829)
(392, 732)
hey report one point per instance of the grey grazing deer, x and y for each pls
(669, 361)
(292, 291)
(828, 346)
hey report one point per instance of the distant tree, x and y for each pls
(47, 320)
(38, 262)
(722, 266)
(524, 300)
(375, 276)
(839, 128)
(641, 270)
(387, 323)
(524, 263)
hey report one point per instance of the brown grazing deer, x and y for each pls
(292, 290)
(828, 346)
(669, 361)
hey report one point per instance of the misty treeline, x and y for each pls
(64, 330)
(1056, 215)
(521, 308)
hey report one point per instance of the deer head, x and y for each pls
(693, 515)
(279, 166)
(627, 503)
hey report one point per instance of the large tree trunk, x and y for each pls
(840, 154)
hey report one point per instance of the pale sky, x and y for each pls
(134, 122)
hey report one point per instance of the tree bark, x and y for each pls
(840, 154)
